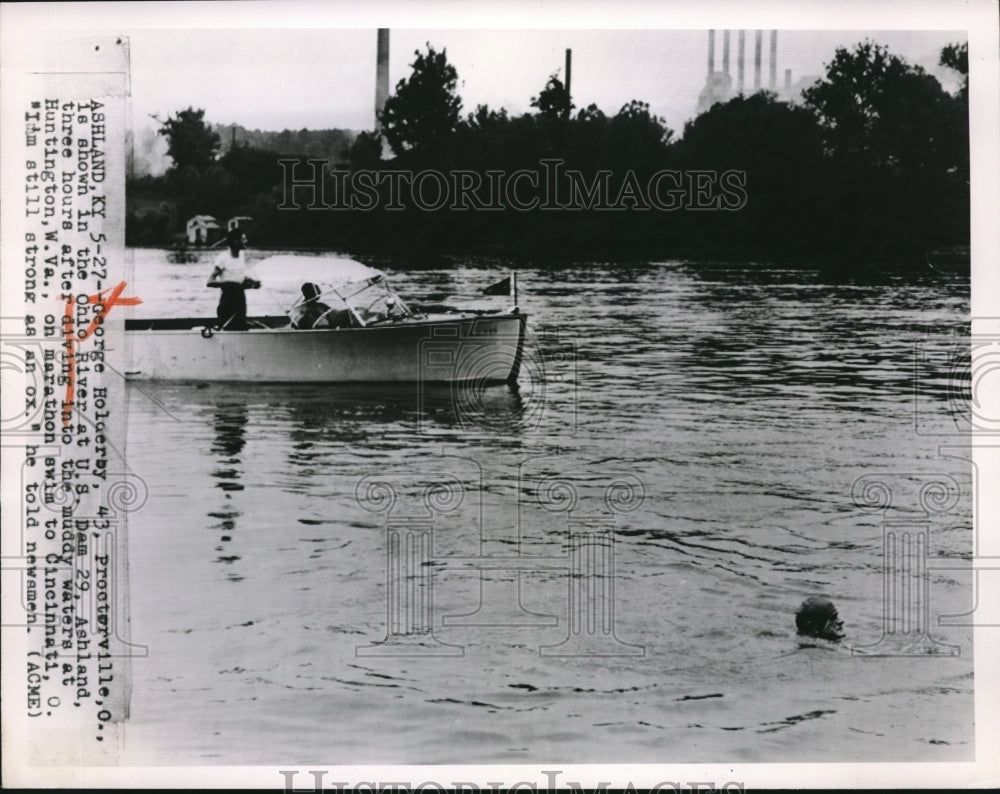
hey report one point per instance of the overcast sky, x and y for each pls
(303, 63)
(277, 79)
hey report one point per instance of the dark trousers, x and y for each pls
(232, 309)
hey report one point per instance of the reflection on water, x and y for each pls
(230, 438)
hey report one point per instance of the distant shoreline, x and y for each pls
(950, 261)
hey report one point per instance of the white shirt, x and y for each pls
(229, 268)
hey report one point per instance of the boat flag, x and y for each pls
(502, 287)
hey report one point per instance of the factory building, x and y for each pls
(719, 83)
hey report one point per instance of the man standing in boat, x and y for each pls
(230, 276)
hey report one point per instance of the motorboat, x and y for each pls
(359, 330)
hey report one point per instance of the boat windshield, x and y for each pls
(373, 301)
(341, 284)
(370, 301)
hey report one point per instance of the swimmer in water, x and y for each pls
(817, 617)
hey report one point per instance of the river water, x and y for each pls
(708, 422)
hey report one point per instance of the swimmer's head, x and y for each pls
(817, 617)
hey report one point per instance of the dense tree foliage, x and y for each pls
(878, 111)
(956, 56)
(190, 141)
(780, 148)
(872, 165)
(899, 145)
(554, 99)
(328, 143)
(421, 116)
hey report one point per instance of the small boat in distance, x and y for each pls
(364, 333)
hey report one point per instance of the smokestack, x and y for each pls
(381, 74)
(569, 77)
(725, 52)
(711, 53)
(773, 75)
(740, 56)
(788, 84)
(756, 60)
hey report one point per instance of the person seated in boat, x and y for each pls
(229, 275)
(392, 309)
(310, 312)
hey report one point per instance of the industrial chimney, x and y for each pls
(711, 53)
(725, 52)
(773, 74)
(756, 60)
(740, 55)
(381, 75)
(569, 77)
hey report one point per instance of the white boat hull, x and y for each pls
(465, 348)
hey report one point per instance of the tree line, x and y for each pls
(873, 164)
